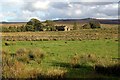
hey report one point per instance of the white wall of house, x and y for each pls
(67, 28)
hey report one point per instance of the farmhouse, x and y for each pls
(62, 28)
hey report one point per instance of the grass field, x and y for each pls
(58, 54)
(61, 54)
(71, 47)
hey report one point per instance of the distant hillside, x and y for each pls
(102, 21)
(12, 22)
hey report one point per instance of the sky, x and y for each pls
(24, 10)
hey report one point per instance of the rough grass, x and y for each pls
(65, 56)
(76, 57)
(83, 34)
(17, 69)
(99, 47)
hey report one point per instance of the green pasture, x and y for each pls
(60, 53)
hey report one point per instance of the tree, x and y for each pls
(75, 27)
(34, 25)
(86, 26)
(94, 24)
(50, 25)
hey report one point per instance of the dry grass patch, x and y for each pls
(85, 59)
(26, 55)
(16, 67)
(55, 73)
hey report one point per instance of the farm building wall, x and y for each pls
(67, 28)
(62, 28)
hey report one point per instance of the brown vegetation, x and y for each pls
(14, 68)
(100, 65)
(87, 34)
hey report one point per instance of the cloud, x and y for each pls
(60, 5)
(1, 17)
(41, 5)
(110, 10)
(10, 16)
(19, 10)
(94, 0)
(37, 5)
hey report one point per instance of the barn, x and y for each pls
(62, 28)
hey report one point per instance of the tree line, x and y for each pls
(35, 25)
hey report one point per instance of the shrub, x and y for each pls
(22, 28)
(75, 61)
(83, 60)
(107, 66)
(30, 28)
(11, 67)
(45, 39)
(21, 51)
(15, 69)
(18, 29)
(12, 29)
(88, 59)
(26, 55)
(7, 43)
(39, 53)
(5, 29)
(31, 56)
(24, 58)
(6, 59)
(11, 71)
(18, 70)
(92, 58)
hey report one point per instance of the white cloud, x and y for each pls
(94, 0)
(12, 2)
(41, 5)
(26, 12)
(1, 17)
(19, 10)
(78, 12)
(9, 15)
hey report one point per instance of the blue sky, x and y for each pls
(23, 10)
